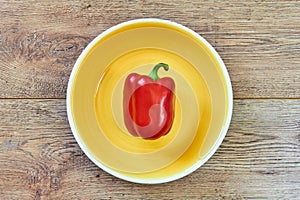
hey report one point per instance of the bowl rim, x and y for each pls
(197, 164)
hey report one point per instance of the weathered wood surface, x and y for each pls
(259, 42)
(260, 157)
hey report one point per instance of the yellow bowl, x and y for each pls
(203, 105)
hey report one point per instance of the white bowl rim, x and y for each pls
(197, 164)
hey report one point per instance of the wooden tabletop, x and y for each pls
(259, 42)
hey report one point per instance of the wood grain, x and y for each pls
(259, 41)
(259, 158)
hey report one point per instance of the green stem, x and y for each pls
(154, 74)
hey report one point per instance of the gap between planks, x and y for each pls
(262, 98)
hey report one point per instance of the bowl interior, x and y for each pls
(203, 105)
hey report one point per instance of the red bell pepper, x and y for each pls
(148, 104)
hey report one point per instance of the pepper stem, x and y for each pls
(154, 71)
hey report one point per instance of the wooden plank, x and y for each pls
(260, 157)
(259, 41)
